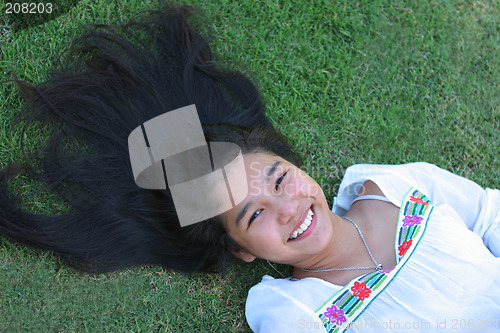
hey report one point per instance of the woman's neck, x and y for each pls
(377, 221)
(346, 249)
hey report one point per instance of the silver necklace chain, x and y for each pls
(377, 266)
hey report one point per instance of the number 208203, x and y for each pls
(28, 8)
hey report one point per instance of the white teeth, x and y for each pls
(307, 221)
(303, 227)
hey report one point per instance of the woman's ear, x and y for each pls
(243, 255)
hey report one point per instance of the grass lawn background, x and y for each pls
(350, 81)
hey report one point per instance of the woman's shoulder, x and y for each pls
(287, 284)
(284, 305)
(360, 170)
(271, 292)
(393, 181)
(271, 285)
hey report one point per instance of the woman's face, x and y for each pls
(274, 222)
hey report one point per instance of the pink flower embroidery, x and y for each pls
(418, 200)
(404, 247)
(410, 220)
(360, 290)
(335, 315)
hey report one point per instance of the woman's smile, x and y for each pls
(305, 228)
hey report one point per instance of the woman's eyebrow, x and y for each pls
(270, 171)
(242, 213)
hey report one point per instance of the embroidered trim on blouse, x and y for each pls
(346, 305)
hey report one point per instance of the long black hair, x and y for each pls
(113, 79)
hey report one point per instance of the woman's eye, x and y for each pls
(254, 215)
(279, 180)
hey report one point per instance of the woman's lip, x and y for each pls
(309, 229)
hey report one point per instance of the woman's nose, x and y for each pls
(288, 210)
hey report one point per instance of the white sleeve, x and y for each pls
(479, 208)
(268, 310)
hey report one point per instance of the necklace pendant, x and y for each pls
(379, 267)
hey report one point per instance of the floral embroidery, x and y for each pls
(404, 247)
(360, 290)
(410, 220)
(335, 315)
(346, 305)
(418, 200)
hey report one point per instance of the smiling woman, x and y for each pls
(403, 244)
(396, 233)
(427, 231)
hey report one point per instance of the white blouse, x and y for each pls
(448, 281)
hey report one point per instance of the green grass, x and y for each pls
(350, 81)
